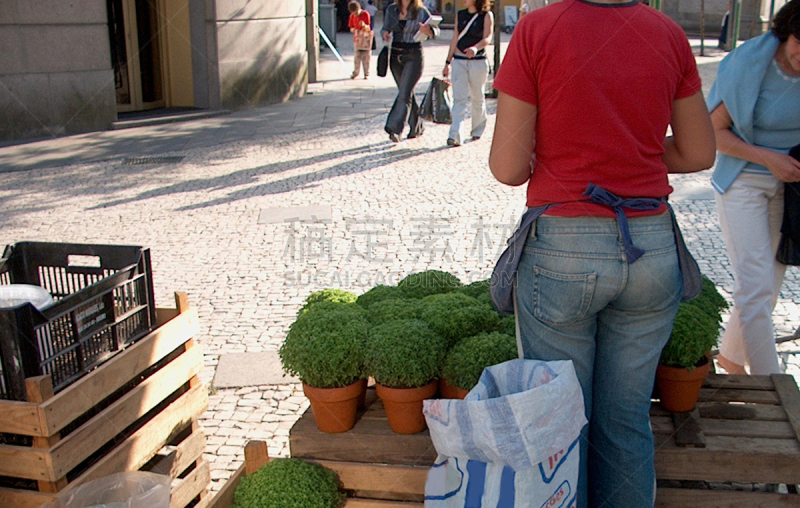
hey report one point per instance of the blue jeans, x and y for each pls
(406, 67)
(578, 299)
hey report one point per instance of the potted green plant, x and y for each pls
(325, 349)
(377, 294)
(465, 362)
(384, 311)
(327, 295)
(685, 360)
(404, 356)
(455, 316)
(430, 282)
(285, 483)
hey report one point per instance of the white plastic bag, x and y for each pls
(14, 295)
(132, 489)
(512, 442)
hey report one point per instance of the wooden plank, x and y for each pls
(18, 498)
(25, 462)
(688, 431)
(165, 314)
(91, 389)
(379, 477)
(747, 396)
(20, 418)
(256, 456)
(679, 498)
(787, 390)
(370, 441)
(224, 498)
(104, 426)
(738, 382)
(143, 444)
(181, 456)
(726, 466)
(751, 412)
(732, 428)
(184, 490)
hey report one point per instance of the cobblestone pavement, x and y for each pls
(395, 209)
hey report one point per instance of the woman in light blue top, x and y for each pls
(404, 22)
(755, 109)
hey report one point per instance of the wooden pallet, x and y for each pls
(117, 418)
(744, 429)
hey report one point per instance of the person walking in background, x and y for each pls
(404, 21)
(371, 9)
(755, 107)
(359, 24)
(466, 63)
(723, 34)
(527, 6)
(582, 101)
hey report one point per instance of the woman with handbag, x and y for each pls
(600, 276)
(466, 63)
(405, 23)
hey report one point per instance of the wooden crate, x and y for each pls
(117, 418)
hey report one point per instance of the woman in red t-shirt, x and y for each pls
(587, 91)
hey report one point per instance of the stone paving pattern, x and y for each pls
(396, 209)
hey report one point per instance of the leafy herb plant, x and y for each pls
(328, 295)
(393, 309)
(694, 333)
(325, 345)
(455, 316)
(404, 353)
(378, 294)
(465, 362)
(430, 282)
(289, 483)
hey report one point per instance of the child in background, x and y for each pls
(362, 37)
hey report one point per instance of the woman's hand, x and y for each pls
(784, 167)
(386, 36)
(470, 52)
(427, 30)
(446, 70)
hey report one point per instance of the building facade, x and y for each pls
(72, 66)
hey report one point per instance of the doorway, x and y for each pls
(137, 53)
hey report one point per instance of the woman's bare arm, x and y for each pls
(511, 158)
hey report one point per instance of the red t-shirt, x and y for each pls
(603, 78)
(354, 21)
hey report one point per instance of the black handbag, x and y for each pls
(789, 247)
(383, 61)
(437, 103)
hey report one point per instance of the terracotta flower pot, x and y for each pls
(335, 409)
(449, 391)
(404, 406)
(679, 388)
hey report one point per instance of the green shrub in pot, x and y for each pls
(430, 282)
(710, 301)
(694, 334)
(289, 483)
(404, 353)
(328, 295)
(378, 294)
(478, 290)
(455, 316)
(394, 308)
(325, 345)
(466, 360)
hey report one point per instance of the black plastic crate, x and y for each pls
(104, 301)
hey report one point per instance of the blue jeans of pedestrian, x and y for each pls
(406, 67)
(578, 299)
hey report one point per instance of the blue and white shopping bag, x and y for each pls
(512, 442)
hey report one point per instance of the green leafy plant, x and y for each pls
(507, 325)
(393, 309)
(430, 282)
(710, 301)
(477, 289)
(465, 362)
(328, 295)
(325, 345)
(455, 316)
(289, 483)
(694, 333)
(379, 293)
(404, 353)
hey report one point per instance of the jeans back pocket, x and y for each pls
(560, 298)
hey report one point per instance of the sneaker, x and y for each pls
(475, 138)
(394, 137)
(452, 142)
(353, 76)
